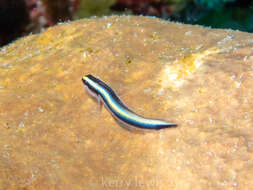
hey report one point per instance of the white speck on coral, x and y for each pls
(220, 167)
(190, 122)
(233, 77)
(21, 125)
(188, 32)
(58, 23)
(250, 144)
(224, 40)
(26, 113)
(160, 152)
(209, 154)
(238, 84)
(37, 52)
(6, 65)
(6, 154)
(1, 87)
(160, 92)
(40, 109)
(245, 116)
(173, 76)
(234, 150)
(229, 37)
(84, 54)
(108, 25)
(199, 47)
(147, 90)
(245, 58)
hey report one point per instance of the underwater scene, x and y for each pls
(126, 94)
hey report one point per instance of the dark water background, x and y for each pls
(22, 17)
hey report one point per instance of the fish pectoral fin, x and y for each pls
(101, 104)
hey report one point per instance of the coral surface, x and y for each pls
(53, 135)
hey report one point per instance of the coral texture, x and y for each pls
(53, 135)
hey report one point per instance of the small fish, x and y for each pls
(118, 109)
